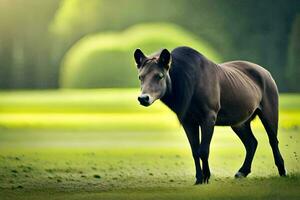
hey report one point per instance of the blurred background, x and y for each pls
(89, 44)
(69, 116)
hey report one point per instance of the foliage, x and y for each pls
(242, 30)
(293, 70)
(25, 44)
(75, 17)
(106, 60)
(36, 35)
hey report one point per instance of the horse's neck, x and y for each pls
(168, 96)
(181, 85)
(178, 95)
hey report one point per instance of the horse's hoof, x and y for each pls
(239, 175)
(206, 178)
(282, 172)
(198, 182)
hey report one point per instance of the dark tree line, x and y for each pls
(35, 35)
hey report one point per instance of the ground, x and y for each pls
(90, 145)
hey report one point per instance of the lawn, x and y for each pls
(100, 144)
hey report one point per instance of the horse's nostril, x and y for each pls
(139, 99)
(144, 99)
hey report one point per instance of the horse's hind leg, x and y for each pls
(244, 132)
(269, 117)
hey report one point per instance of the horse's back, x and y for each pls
(251, 70)
(257, 75)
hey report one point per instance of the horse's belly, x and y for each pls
(233, 117)
(237, 107)
(230, 120)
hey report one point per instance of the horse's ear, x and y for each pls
(165, 59)
(139, 57)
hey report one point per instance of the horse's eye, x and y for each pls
(161, 75)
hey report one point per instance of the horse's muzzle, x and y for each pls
(144, 100)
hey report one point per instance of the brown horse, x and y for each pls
(205, 94)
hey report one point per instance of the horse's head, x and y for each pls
(153, 75)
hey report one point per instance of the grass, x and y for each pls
(90, 145)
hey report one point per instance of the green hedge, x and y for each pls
(105, 60)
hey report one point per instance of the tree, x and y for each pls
(25, 43)
(293, 67)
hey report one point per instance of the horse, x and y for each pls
(205, 94)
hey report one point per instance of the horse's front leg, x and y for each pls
(207, 129)
(192, 133)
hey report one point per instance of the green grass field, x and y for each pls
(100, 144)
